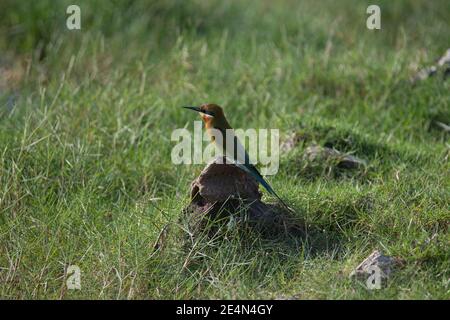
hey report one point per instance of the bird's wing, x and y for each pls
(242, 161)
(235, 150)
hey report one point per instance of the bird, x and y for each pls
(214, 119)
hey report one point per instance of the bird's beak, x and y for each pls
(193, 108)
(200, 110)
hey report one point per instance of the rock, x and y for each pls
(317, 153)
(385, 264)
(292, 141)
(220, 182)
(228, 196)
(442, 65)
(445, 59)
(425, 73)
(443, 126)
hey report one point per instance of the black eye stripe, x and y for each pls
(207, 112)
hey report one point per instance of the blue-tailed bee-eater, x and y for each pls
(214, 119)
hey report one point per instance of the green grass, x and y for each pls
(85, 124)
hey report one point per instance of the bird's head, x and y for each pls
(209, 112)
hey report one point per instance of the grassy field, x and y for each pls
(86, 117)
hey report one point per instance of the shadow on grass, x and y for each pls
(240, 238)
(380, 158)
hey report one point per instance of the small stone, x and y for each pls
(386, 264)
(445, 59)
(442, 65)
(425, 73)
(292, 140)
(318, 153)
(443, 126)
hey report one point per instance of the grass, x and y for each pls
(85, 123)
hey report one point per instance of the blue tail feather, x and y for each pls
(255, 174)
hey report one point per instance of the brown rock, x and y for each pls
(226, 195)
(220, 182)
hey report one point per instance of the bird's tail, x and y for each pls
(254, 172)
(272, 192)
